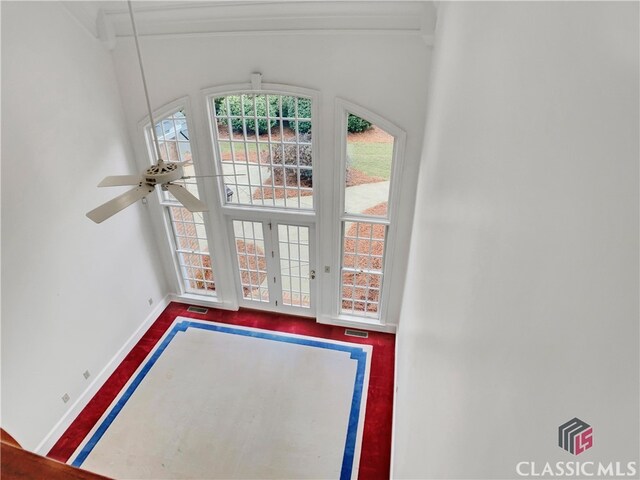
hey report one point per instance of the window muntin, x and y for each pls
(265, 141)
(174, 144)
(293, 249)
(362, 267)
(252, 261)
(192, 250)
(191, 247)
(365, 219)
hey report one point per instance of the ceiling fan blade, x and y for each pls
(190, 202)
(112, 207)
(118, 180)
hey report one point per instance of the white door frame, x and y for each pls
(272, 256)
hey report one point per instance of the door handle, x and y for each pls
(312, 274)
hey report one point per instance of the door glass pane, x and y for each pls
(252, 263)
(368, 168)
(265, 141)
(362, 268)
(192, 250)
(293, 244)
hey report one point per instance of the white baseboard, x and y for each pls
(359, 324)
(393, 411)
(201, 301)
(56, 432)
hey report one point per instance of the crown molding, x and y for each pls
(85, 13)
(109, 20)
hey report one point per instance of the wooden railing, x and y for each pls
(19, 464)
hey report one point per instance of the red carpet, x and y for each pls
(376, 443)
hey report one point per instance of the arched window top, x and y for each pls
(264, 143)
(370, 148)
(187, 230)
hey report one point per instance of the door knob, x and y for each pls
(312, 274)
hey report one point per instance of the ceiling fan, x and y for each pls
(162, 173)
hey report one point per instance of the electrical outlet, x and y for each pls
(86, 374)
(150, 301)
(66, 398)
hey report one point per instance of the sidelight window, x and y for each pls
(190, 244)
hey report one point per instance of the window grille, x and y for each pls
(252, 262)
(265, 141)
(191, 248)
(362, 267)
(365, 219)
(293, 243)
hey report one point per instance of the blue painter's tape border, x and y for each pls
(358, 354)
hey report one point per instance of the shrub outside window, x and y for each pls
(264, 144)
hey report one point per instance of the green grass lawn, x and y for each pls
(239, 149)
(374, 159)
(225, 147)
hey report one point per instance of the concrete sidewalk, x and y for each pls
(357, 198)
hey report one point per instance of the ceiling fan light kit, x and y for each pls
(162, 173)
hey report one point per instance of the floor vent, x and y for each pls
(356, 333)
(201, 310)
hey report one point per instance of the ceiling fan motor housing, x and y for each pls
(163, 173)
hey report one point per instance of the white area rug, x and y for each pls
(221, 401)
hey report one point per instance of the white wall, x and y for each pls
(73, 291)
(521, 306)
(384, 73)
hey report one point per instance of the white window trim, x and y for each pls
(162, 224)
(322, 172)
(328, 202)
(342, 109)
(208, 94)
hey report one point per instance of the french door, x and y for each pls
(274, 265)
